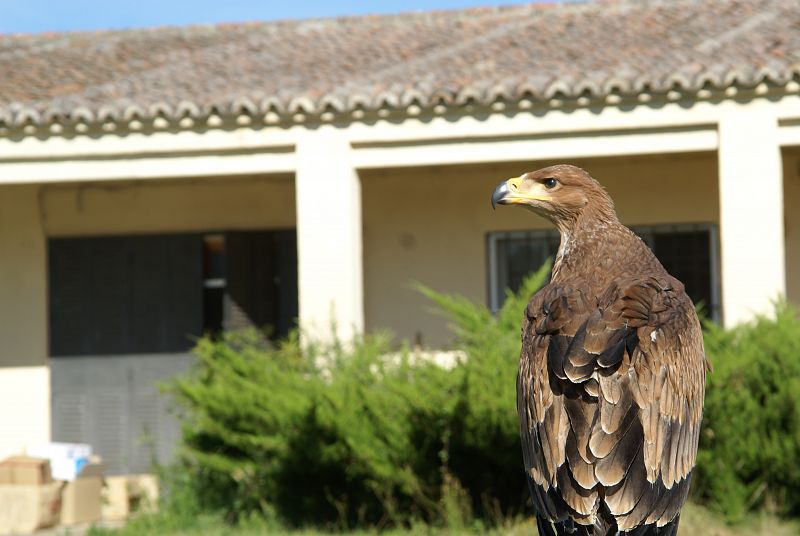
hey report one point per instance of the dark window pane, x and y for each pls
(261, 280)
(517, 255)
(213, 282)
(686, 255)
(124, 295)
(157, 293)
(213, 257)
(213, 299)
(685, 251)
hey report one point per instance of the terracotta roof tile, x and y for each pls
(447, 57)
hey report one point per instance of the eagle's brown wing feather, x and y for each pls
(609, 394)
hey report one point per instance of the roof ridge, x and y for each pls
(536, 5)
(253, 23)
(582, 53)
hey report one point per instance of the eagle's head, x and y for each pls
(563, 194)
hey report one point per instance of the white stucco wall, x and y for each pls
(160, 206)
(430, 225)
(24, 373)
(31, 213)
(425, 213)
(24, 408)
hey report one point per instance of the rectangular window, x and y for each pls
(158, 293)
(124, 294)
(689, 252)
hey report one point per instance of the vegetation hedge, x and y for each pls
(361, 434)
(749, 457)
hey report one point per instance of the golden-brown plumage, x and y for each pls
(612, 370)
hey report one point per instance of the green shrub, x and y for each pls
(328, 436)
(339, 436)
(484, 447)
(750, 444)
(342, 435)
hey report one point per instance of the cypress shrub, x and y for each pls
(362, 434)
(328, 435)
(750, 443)
(484, 448)
(357, 434)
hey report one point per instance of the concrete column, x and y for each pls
(329, 236)
(751, 215)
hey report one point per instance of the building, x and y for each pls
(156, 183)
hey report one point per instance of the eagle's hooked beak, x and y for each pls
(499, 194)
(504, 191)
(509, 193)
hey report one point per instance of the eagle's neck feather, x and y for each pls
(595, 248)
(564, 249)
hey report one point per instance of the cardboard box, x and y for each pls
(81, 498)
(66, 459)
(116, 499)
(144, 491)
(25, 470)
(5, 474)
(93, 467)
(125, 495)
(25, 508)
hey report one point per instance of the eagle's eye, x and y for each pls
(550, 183)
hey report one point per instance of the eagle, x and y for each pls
(611, 371)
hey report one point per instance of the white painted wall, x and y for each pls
(167, 206)
(24, 373)
(751, 215)
(325, 160)
(24, 408)
(676, 125)
(430, 225)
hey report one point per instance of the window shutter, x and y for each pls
(125, 295)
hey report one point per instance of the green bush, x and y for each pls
(484, 449)
(321, 436)
(339, 436)
(750, 444)
(343, 435)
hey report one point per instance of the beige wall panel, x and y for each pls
(23, 292)
(791, 213)
(168, 206)
(24, 374)
(24, 408)
(430, 225)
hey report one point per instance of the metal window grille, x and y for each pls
(690, 252)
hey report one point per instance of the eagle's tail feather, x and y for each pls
(670, 529)
(545, 528)
(604, 524)
(562, 528)
(567, 528)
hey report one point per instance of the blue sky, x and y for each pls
(61, 15)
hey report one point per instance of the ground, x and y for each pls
(696, 521)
